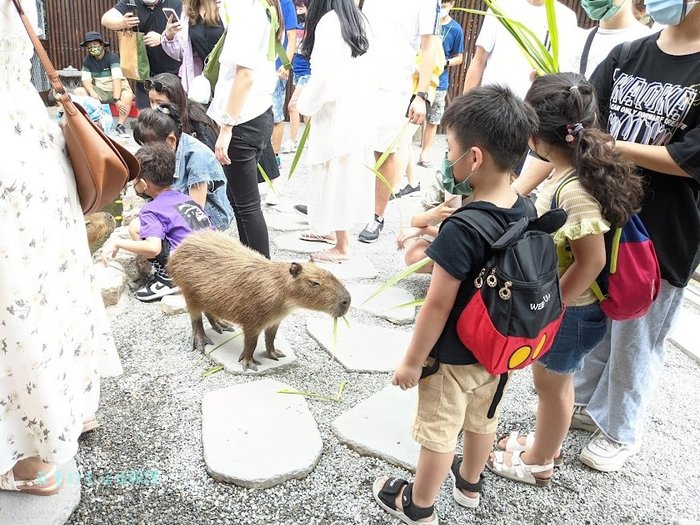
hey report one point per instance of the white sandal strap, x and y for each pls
(8, 481)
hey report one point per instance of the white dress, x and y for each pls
(55, 338)
(337, 98)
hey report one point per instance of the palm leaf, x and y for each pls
(239, 332)
(410, 304)
(553, 31)
(406, 272)
(302, 142)
(394, 144)
(267, 179)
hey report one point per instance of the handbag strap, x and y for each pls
(40, 51)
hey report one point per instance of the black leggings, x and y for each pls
(247, 144)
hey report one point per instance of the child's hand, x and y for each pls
(410, 233)
(109, 249)
(441, 212)
(406, 376)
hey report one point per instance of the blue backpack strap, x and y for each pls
(555, 198)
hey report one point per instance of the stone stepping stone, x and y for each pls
(27, 509)
(359, 267)
(361, 348)
(380, 427)
(284, 221)
(257, 438)
(291, 242)
(231, 348)
(385, 304)
(173, 304)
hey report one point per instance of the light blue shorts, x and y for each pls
(278, 100)
(301, 80)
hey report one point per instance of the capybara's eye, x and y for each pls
(314, 283)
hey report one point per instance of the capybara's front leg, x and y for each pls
(219, 325)
(270, 334)
(250, 341)
(199, 338)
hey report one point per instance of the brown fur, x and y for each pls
(99, 226)
(227, 281)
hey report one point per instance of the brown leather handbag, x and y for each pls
(102, 167)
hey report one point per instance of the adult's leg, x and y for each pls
(587, 379)
(294, 117)
(389, 171)
(127, 97)
(247, 144)
(637, 353)
(429, 132)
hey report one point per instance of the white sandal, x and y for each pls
(513, 445)
(38, 486)
(518, 470)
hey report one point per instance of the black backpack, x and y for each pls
(516, 309)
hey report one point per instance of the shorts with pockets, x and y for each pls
(278, 99)
(437, 108)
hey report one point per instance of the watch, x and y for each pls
(228, 120)
(423, 95)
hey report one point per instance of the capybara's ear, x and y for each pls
(295, 269)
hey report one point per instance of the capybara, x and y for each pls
(227, 281)
(99, 226)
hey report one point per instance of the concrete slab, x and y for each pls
(380, 427)
(685, 335)
(231, 348)
(26, 509)
(361, 348)
(284, 221)
(291, 242)
(359, 267)
(385, 304)
(255, 437)
(173, 304)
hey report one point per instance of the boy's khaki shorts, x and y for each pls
(106, 96)
(455, 397)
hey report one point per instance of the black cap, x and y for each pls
(93, 36)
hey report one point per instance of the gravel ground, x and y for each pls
(151, 419)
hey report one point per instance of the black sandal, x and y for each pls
(386, 498)
(461, 484)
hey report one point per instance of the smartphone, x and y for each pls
(131, 5)
(170, 13)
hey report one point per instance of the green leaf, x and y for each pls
(334, 337)
(347, 322)
(213, 370)
(239, 332)
(406, 272)
(302, 142)
(392, 147)
(553, 32)
(410, 304)
(267, 179)
(336, 399)
(381, 177)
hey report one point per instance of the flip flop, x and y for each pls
(90, 424)
(325, 256)
(316, 237)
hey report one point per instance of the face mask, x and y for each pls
(448, 178)
(95, 51)
(600, 9)
(668, 12)
(444, 12)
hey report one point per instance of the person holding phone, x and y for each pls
(148, 17)
(192, 36)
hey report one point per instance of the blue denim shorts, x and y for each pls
(582, 328)
(278, 100)
(301, 80)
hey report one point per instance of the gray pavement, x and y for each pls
(147, 458)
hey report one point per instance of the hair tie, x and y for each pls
(573, 131)
(573, 88)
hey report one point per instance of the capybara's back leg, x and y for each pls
(270, 334)
(219, 325)
(199, 338)
(250, 341)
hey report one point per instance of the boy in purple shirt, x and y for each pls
(166, 219)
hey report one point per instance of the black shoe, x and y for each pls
(121, 131)
(372, 230)
(156, 288)
(301, 209)
(408, 189)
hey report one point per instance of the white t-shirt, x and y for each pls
(247, 43)
(507, 64)
(603, 42)
(397, 27)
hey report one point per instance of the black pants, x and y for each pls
(247, 144)
(268, 163)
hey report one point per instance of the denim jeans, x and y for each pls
(619, 376)
(248, 141)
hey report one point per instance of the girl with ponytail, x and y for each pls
(599, 189)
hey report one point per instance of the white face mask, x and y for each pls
(444, 12)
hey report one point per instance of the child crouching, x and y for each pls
(167, 219)
(487, 133)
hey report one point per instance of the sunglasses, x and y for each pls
(154, 84)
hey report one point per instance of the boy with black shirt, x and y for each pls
(487, 133)
(649, 97)
(103, 79)
(145, 16)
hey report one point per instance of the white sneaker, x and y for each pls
(272, 198)
(288, 147)
(580, 420)
(604, 454)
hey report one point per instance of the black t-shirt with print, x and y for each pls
(154, 20)
(462, 252)
(652, 98)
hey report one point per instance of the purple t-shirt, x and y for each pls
(172, 216)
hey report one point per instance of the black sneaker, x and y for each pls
(301, 209)
(408, 189)
(156, 288)
(372, 230)
(121, 131)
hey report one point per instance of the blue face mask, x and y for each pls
(448, 178)
(668, 12)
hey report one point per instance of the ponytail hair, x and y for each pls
(568, 120)
(155, 125)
